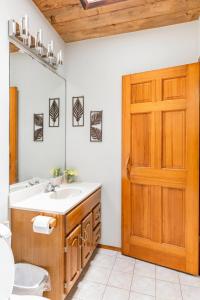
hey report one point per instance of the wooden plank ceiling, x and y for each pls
(74, 23)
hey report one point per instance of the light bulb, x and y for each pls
(24, 28)
(59, 58)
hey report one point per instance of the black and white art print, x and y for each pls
(54, 112)
(38, 127)
(96, 119)
(78, 111)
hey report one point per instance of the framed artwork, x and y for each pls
(78, 111)
(96, 119)
(54, 112)
(38, 127)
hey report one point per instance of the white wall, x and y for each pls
(94, 69)
(13, 9)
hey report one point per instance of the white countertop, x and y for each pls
(42, 202)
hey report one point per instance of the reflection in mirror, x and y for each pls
(37, 119)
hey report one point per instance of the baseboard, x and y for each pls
(109, 247)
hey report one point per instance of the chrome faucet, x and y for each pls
(50, 187)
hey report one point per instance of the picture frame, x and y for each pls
(38, 127)
(96, 126)
(54, 112)
(78, 111)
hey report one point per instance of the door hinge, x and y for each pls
(65, 285)
(65, 249)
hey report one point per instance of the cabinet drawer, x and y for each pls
(78, 213)
(96, 215)
(96, 235)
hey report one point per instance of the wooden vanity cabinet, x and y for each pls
(66, 251)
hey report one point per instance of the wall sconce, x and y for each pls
(20, 34)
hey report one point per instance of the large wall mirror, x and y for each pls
(37, 119)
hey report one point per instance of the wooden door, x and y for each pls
(87, 239)
(73, 257)
(160, 164)
(13, 135)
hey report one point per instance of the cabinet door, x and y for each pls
(87, 239)
(73, 257)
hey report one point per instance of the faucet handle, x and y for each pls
(47, 187)
(50, 187)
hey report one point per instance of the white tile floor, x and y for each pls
(113, 276)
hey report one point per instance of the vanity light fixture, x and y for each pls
(20, 36)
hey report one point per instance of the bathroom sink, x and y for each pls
(65, 193)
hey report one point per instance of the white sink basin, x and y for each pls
(65, 193)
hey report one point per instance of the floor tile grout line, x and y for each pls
(158, 279)
(132, 280)
(109, 276)
(180, 285)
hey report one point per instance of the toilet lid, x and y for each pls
(6, 270)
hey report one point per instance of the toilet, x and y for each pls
(7, 273)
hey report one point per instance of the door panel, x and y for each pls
(145, 209)
(173, 217)
(142, 92)
(173, 140)
(141, 140)
(141, 207)
(87, 234)
(174, 88)
(160, 167)
(73, 257)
